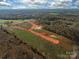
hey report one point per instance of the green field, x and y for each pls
(8, 22)
(65, 42)
(43, 30)
(1, 21)
(24, 25)
(48, 49)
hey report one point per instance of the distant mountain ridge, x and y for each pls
(29, 13)
(19, 11)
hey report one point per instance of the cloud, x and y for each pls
(33, 1)
(39, 4)
(4, 3)
(50, 4)
(61, 4)
(77, 3)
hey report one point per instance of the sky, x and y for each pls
(39, 4)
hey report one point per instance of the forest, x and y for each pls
(65, 25)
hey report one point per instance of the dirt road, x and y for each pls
(48, 38)
(41, 35)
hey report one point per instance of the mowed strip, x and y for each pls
(54, 41)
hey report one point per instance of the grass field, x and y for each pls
(66, 43)
(10, 20)
(50, 50)
(24, 25)
(4, 21)
(43, 30)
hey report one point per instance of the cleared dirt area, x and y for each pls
(37, 33)
(12, 47)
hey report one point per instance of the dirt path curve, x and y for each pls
(41, 35)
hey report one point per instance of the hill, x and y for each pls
(13, 48)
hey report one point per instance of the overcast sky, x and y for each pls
(39, 4)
